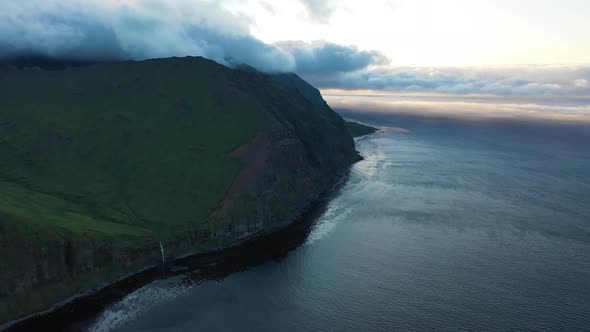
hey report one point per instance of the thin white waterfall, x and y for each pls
(162, 251)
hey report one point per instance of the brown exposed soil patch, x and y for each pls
(254, 155)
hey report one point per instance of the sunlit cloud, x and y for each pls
(435, 32)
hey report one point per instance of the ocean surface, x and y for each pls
(445, 226)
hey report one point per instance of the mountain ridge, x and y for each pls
(104, 162)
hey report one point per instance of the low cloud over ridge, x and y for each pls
(132, 29)
(112, 30)
(140, 29)
(320, 58)
(319, 10)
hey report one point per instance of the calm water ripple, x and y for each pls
(447, 227)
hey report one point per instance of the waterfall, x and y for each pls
(162, 251)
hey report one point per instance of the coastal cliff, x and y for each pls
(106, 168)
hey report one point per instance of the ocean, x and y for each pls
(446, 225)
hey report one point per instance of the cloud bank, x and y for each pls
(108, 30)
(534, 80)
(319, 10)
(464, 107)
(320, 58)
(141, 29)
(554, 93)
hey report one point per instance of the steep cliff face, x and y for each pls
(288, 165)
(102, 163)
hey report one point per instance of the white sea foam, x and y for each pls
(138, 302)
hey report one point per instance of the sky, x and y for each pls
(531, 57)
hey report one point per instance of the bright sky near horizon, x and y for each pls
(434, 32)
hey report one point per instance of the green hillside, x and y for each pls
(101, 163)
(107, 142)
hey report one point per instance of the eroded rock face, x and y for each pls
(288, 166)
(299, 154)
(56, 258)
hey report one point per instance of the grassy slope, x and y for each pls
(82, 149)
(122, 155)
(92, 155)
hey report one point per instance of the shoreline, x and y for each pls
(214, 263)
